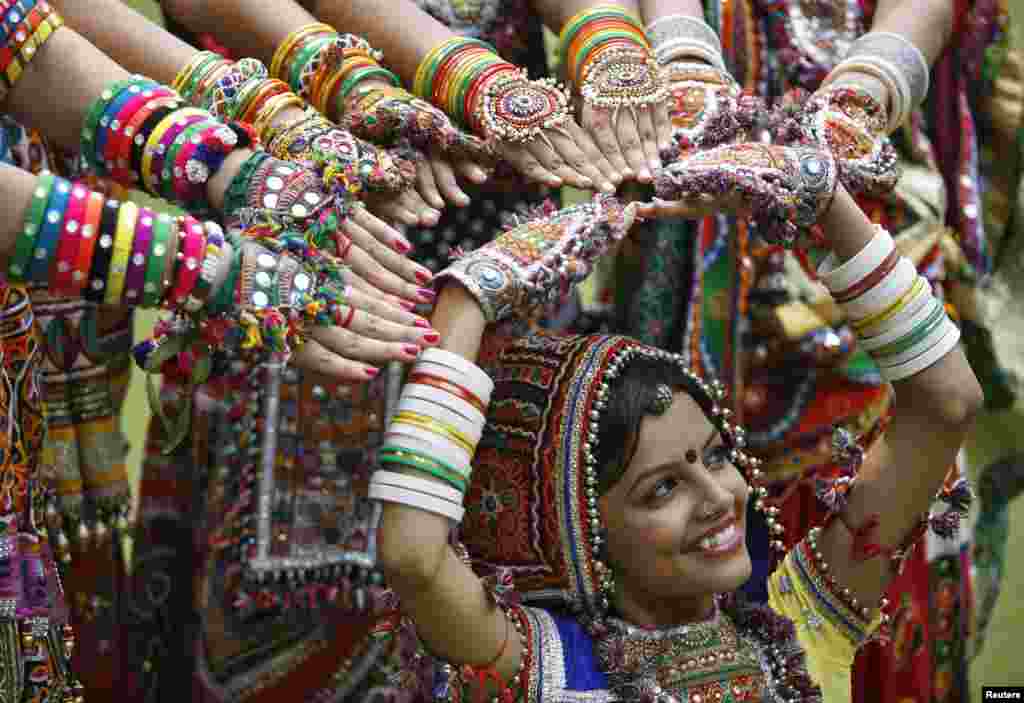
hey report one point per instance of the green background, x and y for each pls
(999, 663)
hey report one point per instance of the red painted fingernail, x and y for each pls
(407, 305)
(424, 277)
(402, 246)
(431, 338)
(372, 372)
(422, 324)
(427, 295)
(411, 350)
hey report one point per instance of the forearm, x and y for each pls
(932, 412)
(928, 24)
(651, 10)
(555, 13)
(248, 27)
(399, 27)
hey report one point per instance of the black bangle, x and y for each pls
(142, 136)
(95, 290)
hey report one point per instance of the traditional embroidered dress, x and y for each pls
(530, 521)
(752, 315)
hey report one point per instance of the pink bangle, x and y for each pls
(135, 276)
(153, 176)
(122, 169)
(114, 146)
(193, 244)
(70, 239)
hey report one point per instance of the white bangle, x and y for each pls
(677, 49)
(481, 383)
(432, 394)
(420, 485)
(419, 440)
(912, 315)
(469, 430)
(669, 27)
(844, 277)
(897, 283)
(929, 358)
(900, 106)
(899, 52)
(421, 501)
(934, 335)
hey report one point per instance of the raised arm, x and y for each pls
(936, 399)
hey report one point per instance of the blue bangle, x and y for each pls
(131, 91)
(49, 235)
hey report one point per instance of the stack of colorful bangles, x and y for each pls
(479, 89)
(898, 320)
(607, 56)
(110, 252)
(434, 432)
(325, 68)
(140, 132)
(25, 25)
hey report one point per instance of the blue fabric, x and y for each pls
(581, 667)
(758, 543)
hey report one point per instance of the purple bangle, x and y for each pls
(135, 276)
(156, 170)
(183, 188)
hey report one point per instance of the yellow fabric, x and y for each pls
(828, 632)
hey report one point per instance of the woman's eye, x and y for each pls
(663, 488)
(716, 457)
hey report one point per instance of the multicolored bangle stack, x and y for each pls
(897, 319)
(608, 58)
(477, 88)
(140, 133)
(440, 418)
(80, 242)
(325, 68)
(894, 61)
(25, 25)
(244, 91)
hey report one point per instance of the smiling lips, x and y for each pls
(721, 541)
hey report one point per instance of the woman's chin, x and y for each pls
(724, 572)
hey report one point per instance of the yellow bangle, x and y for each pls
(879, 317)
(288, 45)
(276, 104)
(154, 140)
(437, 427)
(124, 237)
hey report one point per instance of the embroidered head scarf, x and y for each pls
(532, 505)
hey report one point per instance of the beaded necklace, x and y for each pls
(742, 652)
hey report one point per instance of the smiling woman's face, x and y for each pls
(676, 520)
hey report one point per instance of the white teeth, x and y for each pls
(715, 542)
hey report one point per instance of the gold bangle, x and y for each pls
(289, 43)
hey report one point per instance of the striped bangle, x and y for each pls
(422, 485)
(434, 425)
(946, 343)
(124, 235)
(866, 324)
(49, 233)
(839, 279)
(18, 269)
(429, 443)
(467, 429)
(422, 462)
(449, 387)
(901, 323)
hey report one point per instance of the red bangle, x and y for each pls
(121, 166)
(447, 386)
(70, 239)
(192, 245)
(871, 280)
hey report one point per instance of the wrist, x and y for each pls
(217, 186)
(847, 229)
(460, 321)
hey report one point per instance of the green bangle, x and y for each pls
(167, 175)
(596, 41)
(304, 57)
(424, 91)
(426, 465)
(92, 118)
(391, 449)
(359, 74)
(188, 90)
(224, 300)
(570, 34)
(153, 289)
(237, 195)
(923, 329)
(17, 272)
